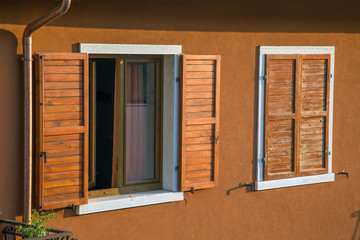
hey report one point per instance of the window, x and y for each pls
(152, 131)
(125, 124)
(295, 116)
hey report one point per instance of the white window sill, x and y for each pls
(110, 203)
(297, 181)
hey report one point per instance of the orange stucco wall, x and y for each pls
(233, 30)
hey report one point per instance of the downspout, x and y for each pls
(28, 125)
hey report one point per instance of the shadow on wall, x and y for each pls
(250, 187)
(11, 127)
(324, 16)
(356, 234)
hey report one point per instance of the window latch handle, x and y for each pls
(43, 155)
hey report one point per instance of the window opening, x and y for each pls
(125, 125)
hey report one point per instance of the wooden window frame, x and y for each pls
(261, 184)
(119, 186)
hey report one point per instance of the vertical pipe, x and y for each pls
(28, 146)
(28, 110)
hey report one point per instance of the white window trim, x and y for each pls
(260, 184)
(141, 49)
(110, 203)
(169, 192)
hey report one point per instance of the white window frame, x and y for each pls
(260, 184)
(169, 191)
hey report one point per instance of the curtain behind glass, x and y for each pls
(140, 81)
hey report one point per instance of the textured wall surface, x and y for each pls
(233, 30)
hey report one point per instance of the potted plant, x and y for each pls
(36, 226)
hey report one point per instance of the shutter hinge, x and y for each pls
(71, 207)
(330, 76)
(327, 153)
(265, 158)
(216, 140)
(192, 190)
(267, 77)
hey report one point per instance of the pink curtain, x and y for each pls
(135, 123)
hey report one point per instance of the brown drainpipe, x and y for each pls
(28, 125)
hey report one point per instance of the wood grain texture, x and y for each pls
(63, 130)
(296, 115)
(314, 114)
(200, 98)
(280, 114)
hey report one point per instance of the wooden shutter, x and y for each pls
(200, 92)
(315, 71)
(296, 115)
(280, 114)
(62, 130)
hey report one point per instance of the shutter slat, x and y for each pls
(63, 93)
(63, 144)
(63, 77)
(63, 175)
(65, 160)
(52, 101)
(62, 191)
(63, 85)
(200, 121)
(193, 161)
(63, 135)
(64, 116)
(63, 63)
(63, 69)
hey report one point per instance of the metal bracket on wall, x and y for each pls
(343, 173)
(26, 59)
(240, 186)
(249, 185)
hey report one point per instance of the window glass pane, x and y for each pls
(105, 84)
(140, 79)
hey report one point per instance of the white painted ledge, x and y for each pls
(297, 181)
(110, 203)
(297, 50)
(143, 49)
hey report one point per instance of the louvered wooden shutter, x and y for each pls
(315, 91)
(280, 115)
(200, 90)
(296, 115)
(62, 130)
